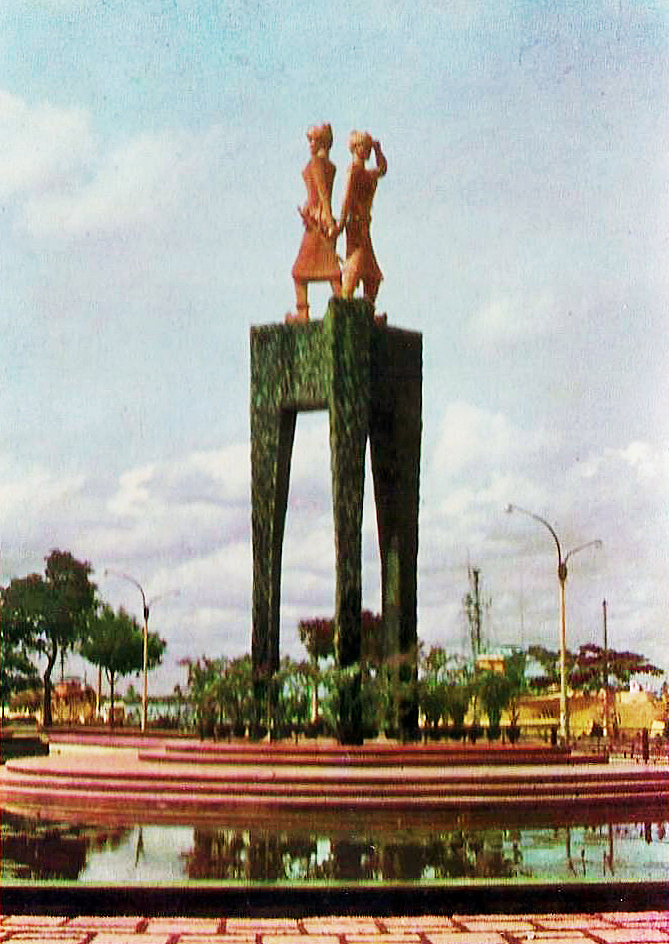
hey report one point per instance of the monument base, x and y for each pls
(368, 376)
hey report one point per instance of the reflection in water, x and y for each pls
(301, 853)
(37, 850)
(265, 856)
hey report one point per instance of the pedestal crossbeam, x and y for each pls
(369, 378)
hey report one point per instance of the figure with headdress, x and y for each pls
(356, 217)
(317, 258)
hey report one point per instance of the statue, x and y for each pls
(361, 264)
(317, 258)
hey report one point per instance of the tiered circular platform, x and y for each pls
(170, 781)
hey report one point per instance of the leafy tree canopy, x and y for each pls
(587, 668)
(48, 614)
(115, 642)
(17, 671)
(318, 637)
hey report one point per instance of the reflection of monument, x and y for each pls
(369, 378)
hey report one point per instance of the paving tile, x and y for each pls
(46, 934)
(558, 937)
(636, 917)
(189, 926)
(259, 925)
(365, 929)
(395, 937)
(548, 937)
(420, 923)
(300, 939)
(116, 923)
(467, 937)
(262, 922)
(633, 935)
(38, 937)
(120, 937)
(568, 922)
(343, 924)
(425, 924)
(204, 937)
(495, 923)
(34, 921)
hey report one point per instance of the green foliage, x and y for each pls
(234, 690)
(445, 687)
(292, 686)
(17, 671)
(515, 666)
(49, 614)
(592, 664)
(494, 690)
(587, 668)
(343, 699)
(221, 690)
(202, 680)
(115, 642)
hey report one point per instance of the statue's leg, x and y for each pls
(301, 303)
(371, 287)
(350, 276)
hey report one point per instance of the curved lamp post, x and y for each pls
(146, 608)
(562, 577)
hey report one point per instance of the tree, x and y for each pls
(234, 691)
(317, 635)
(494, 690)
(17, 671)
(587, 669)
(594, 667)
(202, 690)
(49, 614)
(115, 642)
(445, 687)
(514, 670)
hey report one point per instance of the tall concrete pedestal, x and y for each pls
(369, 378)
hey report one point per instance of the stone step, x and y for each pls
(263, 784)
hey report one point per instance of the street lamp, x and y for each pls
(562, 577)
(146, 607)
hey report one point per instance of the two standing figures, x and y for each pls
(317, 259)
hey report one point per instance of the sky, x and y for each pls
(150, 172)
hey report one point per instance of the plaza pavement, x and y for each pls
(596, 927)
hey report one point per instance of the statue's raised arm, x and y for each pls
(356, 217)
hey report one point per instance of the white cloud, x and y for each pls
(133, 496)
(472, 438)
(650, 465)
(516, 317)
(135, 185)
(41, 146)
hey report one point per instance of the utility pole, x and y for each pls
(606, 675)
(474, 611)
